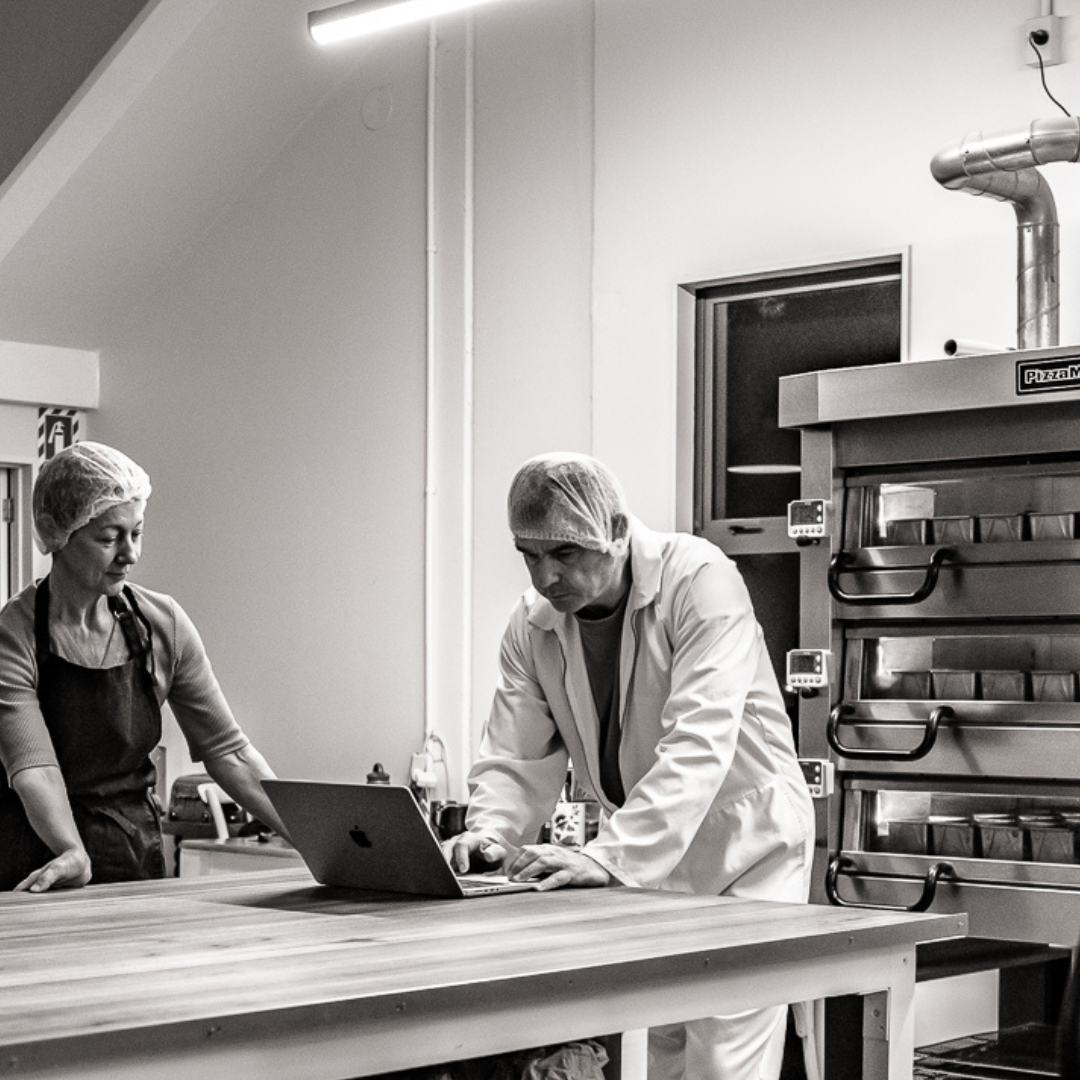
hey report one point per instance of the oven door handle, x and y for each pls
(838, 564)
(842, 713)
(844, 862)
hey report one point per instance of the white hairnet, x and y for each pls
(77, 485)
(570, 498)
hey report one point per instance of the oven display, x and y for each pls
(808, 518)
(807, 668)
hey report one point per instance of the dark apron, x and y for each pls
(104, 723)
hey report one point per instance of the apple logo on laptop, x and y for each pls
(359, 837)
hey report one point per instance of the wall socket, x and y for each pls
(1051, 51)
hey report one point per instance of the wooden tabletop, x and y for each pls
(83, 964)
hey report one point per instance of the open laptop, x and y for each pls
(373, 836)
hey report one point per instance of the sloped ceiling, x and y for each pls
(47, 49)
(179, 118)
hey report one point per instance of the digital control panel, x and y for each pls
(820, 777)
(808, 519)
(808, 668)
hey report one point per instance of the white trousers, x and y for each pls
(746, 1046)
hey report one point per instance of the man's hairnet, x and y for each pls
(570, 498)
(77, 485)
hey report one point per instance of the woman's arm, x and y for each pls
(238, 774)
(44, 797)
(213, 735)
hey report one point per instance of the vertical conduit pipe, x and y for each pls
(431, 656)
(431, 412)
(468, 413)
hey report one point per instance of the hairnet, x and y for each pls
(570, 498)
(77, 485)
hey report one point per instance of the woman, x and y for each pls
(86, 661)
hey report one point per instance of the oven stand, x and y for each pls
(1033, 979)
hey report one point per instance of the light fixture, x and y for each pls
(369, 16)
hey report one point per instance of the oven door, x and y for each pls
(960, 699)
(999, 542)
(1007, 855)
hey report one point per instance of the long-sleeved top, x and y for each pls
(182, 676)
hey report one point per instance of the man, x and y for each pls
(636, 656)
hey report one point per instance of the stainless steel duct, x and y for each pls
(1003, 165)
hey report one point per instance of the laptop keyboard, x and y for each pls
(485, 883)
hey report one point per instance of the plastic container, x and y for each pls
(902, 531)
(1000, 837)
(1049, 838)
(913, 685)
(1071, 820)
(1004, 685)
(1053, 685)
(908, 836)
(1052, 526)
(954, 529)
(954, 684)
(952, 835)
(1000, 528)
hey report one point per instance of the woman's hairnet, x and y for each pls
(77, 485)
(570, 498)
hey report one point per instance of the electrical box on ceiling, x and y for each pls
(1050, 49)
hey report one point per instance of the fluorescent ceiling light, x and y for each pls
(369, 16)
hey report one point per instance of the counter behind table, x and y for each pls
(200, 858)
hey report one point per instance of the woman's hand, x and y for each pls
(69, 870)
(44, 797)
(555, 866)
(238, 774)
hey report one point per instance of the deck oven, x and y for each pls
(939, 658)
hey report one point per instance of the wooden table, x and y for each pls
(265, 975)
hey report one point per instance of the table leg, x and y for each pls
(634, 1055)
(889, 1033)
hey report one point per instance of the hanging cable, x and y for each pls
(1035, 39)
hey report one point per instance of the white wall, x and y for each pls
(533, 267)
(735, 137)
(274, 391)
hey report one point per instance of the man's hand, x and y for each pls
(69, 870)
(464, 851)
(555, 866)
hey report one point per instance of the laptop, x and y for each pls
(375, 837)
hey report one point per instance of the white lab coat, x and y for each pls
(716, 802)
(715, 799)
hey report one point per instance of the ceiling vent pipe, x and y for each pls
(1003, 165)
